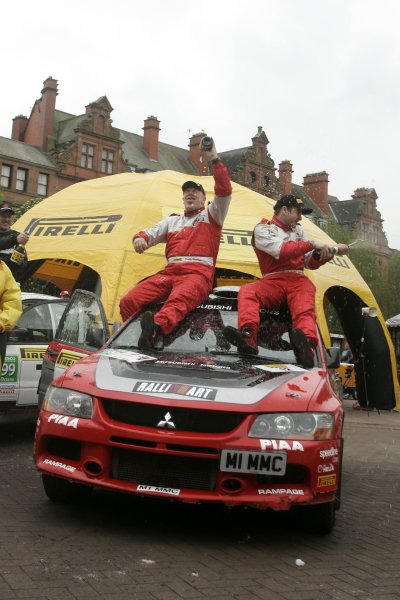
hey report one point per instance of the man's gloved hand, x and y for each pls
(323, 250)
(140, 245)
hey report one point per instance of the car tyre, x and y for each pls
(62, 490)
(319, 518)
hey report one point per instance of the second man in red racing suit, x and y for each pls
(283, 251)
(192, 244)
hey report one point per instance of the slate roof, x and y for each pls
(346, 212)
(169, 157)
(64, 128)
(25, 153)
(233, 158)
(60, 115)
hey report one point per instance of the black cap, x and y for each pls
(292, 202)
(6, 206)
(193, 184)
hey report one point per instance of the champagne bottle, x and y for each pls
(18, 254)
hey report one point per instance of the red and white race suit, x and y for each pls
(282, 254)
(192, 243)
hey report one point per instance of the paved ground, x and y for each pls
(122, 548)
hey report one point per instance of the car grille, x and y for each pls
(163, 470)
(184, 419)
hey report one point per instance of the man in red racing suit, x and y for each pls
(192, 243)
(283, 252)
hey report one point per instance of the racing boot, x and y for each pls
(158, 338)
(152, 335)
(303, 351)
(245, 339)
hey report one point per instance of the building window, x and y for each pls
(265, 181)
(43, 183)
(87, 156)
(252, 178)
(107, 158)
(375, 235)
(22, 178)
(365, 231)
(6, 172)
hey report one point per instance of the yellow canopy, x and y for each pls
(92, 223)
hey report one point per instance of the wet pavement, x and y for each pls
(120, 547)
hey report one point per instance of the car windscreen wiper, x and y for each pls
(123, 347)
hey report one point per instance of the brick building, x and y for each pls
(52, 149)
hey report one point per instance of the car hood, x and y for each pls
(203, 378)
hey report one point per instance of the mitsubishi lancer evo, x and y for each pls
(195, 421)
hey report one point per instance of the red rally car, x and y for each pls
(196, 421)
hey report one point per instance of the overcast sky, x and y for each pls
(322, 77)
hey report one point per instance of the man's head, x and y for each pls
(6, 215)
(289, 209)
(194, 196)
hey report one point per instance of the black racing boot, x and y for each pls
(152, 335)
(158, 338)
(302, 348)
(245, 339)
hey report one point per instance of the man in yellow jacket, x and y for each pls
(10, 306)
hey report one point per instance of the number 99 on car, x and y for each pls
(9, 369)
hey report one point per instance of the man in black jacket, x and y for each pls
(9, 238)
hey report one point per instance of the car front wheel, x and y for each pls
(62, 490)
(319, 518)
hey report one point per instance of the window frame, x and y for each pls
(4, 176)
(107, 162)
(40, 184)
(252, 178)
(24, 181)
(87, 156)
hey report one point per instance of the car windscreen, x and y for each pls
(202, 331)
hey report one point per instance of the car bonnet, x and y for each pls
(183, 377)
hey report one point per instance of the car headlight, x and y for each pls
(306, 426)
(68, 402)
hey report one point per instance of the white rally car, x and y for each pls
(26, 345)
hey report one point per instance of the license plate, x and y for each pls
(259, 463)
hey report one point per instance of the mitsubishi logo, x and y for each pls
(167, 423)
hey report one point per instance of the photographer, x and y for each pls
(192, 243)
(9, 238)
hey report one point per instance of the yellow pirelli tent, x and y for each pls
(82, 237)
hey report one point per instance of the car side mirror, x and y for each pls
(333, 358)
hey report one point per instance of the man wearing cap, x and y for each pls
(192, 242)
(9, 238)
(283, 252)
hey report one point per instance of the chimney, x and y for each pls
(41, 121)
(48, 107)
(150, 137)
(365, 193)
(316, 186)
(18, 128)
(194, 153)
(285, 176)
